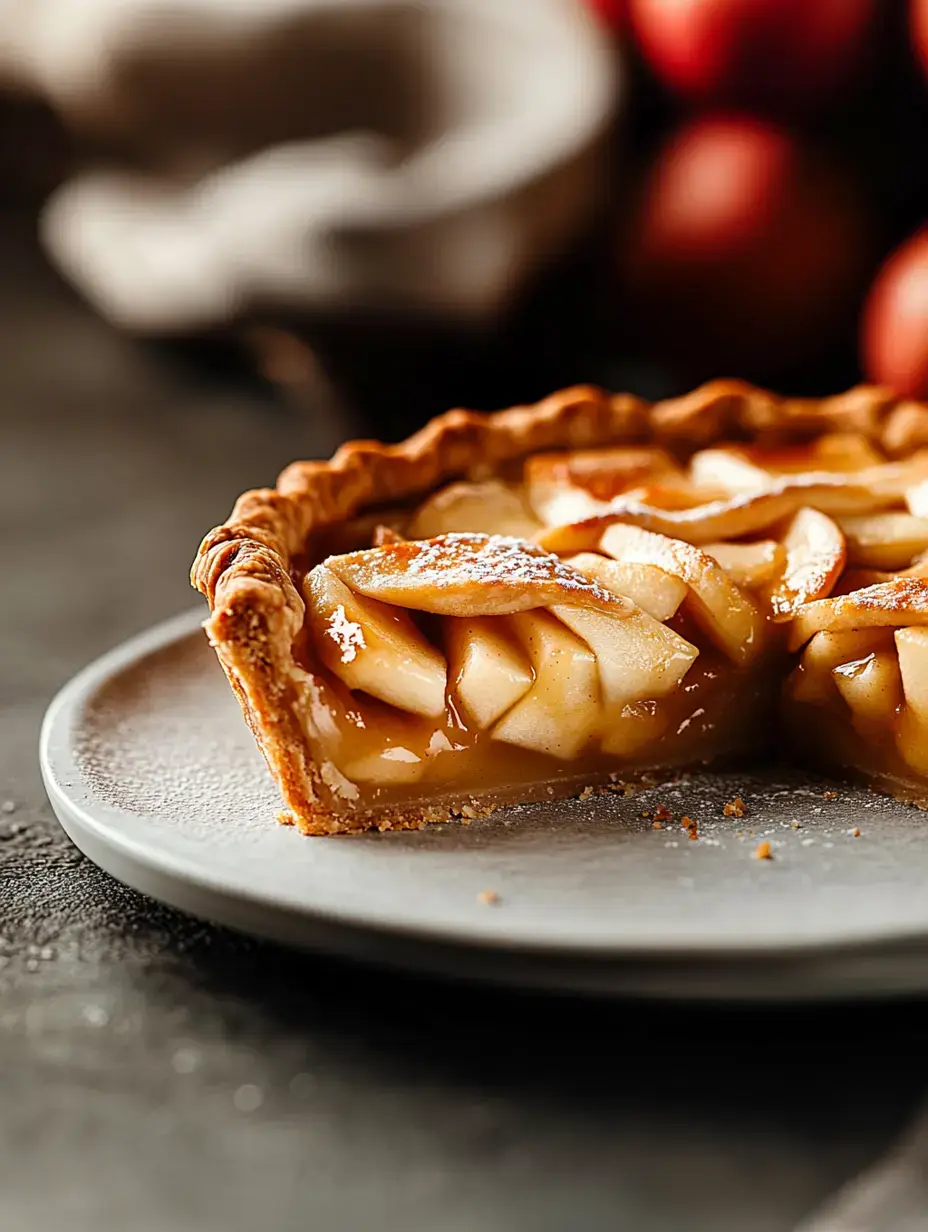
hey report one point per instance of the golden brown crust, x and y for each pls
(243, 567)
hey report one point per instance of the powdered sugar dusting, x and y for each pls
(347, 634)
(167, 741)
(492, 573)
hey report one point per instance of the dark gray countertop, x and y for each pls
(157, 1073)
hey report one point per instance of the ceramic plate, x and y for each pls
(154, 775)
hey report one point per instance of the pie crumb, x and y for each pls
(663, 813)
(284, 818)
(855, 833)
(586, 793)
(735, 808)
(763, 851)
(489, 898)
(691, 827)
(829, 795)
(656, 825)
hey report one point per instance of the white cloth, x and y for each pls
(314, 155)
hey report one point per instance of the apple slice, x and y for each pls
(815, 558)
(871, 686)
(468, 575)
(491, 507)
(826, 651)
(487, 670)
(747, 514)
(393, 764)
(563, 487)
(561, 712)
(360, 739)
(728, 469)
(638, 658)
(912, 649)
(654, 591)
(912, 736)
(813, 681)
(884, 540)
(749, 564)
(373, 647)
(729, 617)
(904, 601)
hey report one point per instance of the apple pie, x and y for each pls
(578, 593)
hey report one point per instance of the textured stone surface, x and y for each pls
(158, 1073)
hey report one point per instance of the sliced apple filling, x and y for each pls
(497, 651)
(859, 695)
(482, 665)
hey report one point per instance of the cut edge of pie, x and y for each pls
(647, 624)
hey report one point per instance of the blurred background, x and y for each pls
(387, 208)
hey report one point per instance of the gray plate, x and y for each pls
(154, 775)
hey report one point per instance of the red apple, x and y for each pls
(919, 27)
(754, 53)
(743, 251)
(894, 335)
(611, 11)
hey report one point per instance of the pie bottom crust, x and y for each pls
(251, 570)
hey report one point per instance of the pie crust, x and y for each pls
(769, 531)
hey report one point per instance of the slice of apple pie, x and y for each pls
(507, 607)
